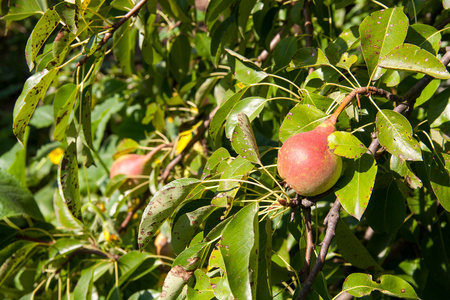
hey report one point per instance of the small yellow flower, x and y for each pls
(110, 237)
(56, 155)
(240, 85)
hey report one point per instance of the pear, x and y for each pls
(131, 165)
(306, 163)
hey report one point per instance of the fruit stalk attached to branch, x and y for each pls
(306, 163)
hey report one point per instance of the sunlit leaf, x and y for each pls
(381, 32)
(238, 245)
(189, 218)
(301, 118)
(62, 109)
(359, 284)
(244, 69)
(222, 113)
(68, 184)
(164, 203)
(34, 90)
(21, 9)
(309, 57)
(409, 57)
(346, 144)
(251, 106)
(229, 184)
(64, 215)
(219, 156)
(425, 36)
(243, 140)
(355, 187)
(43, 29)
(395, 133)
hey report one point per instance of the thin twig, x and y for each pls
(131, 213)
(309, 30)
(200, 133)
(309, 242)
(114, 27)
(331, 221)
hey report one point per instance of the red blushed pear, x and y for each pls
(306, 163)
(131, 165)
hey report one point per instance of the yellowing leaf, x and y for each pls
(56, 155)
(184, 138)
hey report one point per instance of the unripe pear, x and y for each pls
(306, 163)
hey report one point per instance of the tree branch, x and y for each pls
(309, 242)
(114, 27)
(410, 98)
(309, 30)
(331, 221)
(201, 132)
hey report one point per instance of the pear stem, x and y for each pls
(369, 90)
(155, 150)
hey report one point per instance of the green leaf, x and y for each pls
(244, 69)
(43, 29)
(125, 41)
(402, 168)
(16, 259)
(85, 115)
(387, 210)
(182, 269)
(129, 263)
(202, 289)
(229, 181)
(439, 174)
(62, 109)
(300, 118)
(251, 106)
(354, 188)
(21, 9)
(381, 32)
(189, 218)
(395, 133)
(179, 57)
(164, 203)
(284, 50)
(68, 14)
(124, 5)
(309, 57)
(215, 9)
(238, 246)
(15, 200)
(243, 140)
(409, 57)
(347, 61)
(352, 250)
(64, 215)
(64, 246)
(42, 117)
(245, 9)
(346, 144)
(219, 156)
(34, 90)
(359, 284)
(68, 184)
(439, 112)
(424, 36)
(83, 288)
(222, 114)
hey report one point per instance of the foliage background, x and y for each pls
(158, 81)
